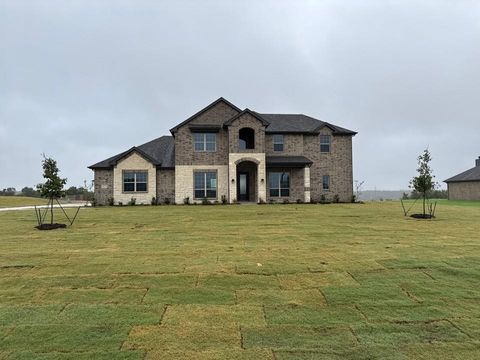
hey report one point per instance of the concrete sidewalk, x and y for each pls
(31, 207)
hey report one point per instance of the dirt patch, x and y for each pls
(421, 216)
(51, 226)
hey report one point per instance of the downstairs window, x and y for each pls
(135, 181)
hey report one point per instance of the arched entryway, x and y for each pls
(247, 181)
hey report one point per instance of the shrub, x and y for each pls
(261, 201)
(299, 201)
(110, 201)
(216, 202)
(312, 201)
(120, 203)
(166, 201)
(354, 198)
(286, 201)
(336, 198)
(132, 202)
(153, 201)
(224, 200)
(205, 201)
(186, 201)
(323, 199)
(271, 201)
(94, 202)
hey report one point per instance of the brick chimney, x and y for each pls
(477, 162)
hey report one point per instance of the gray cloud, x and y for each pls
(82, 81)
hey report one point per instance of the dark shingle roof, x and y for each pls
(299, 123)
(470, 175)
(288, 161)
(160, 151)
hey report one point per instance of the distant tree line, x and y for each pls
(433, 194)
(72, 191)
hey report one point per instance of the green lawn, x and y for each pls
(242, 282)
(12, 201)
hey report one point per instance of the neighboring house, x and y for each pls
(225, 153)
(465, 186)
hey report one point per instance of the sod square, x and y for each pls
(183, 337)
(400, 313)
(297, 337)
(213, 315)
(234, 282)
(152, 281)
(120, 355)
(281, 297)
(395, 334)
(14, 315)
(451, 351)
(64, 338)
(315, 280)
(118, 314)
(178, 295)
(330, 316)
(93, 295)
(235, 354)
(369, 294)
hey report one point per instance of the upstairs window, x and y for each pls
(135, 181)
(326, 182)
(277, 142)
(205, 141)
(325, 143)
(246, 138)
(205, 184)
(279, 183)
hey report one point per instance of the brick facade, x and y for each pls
(228, 159)
(165, 185)
(465, 190)
(103, 186)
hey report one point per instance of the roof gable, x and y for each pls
(160, 152)
(249, 112)
(208, 107)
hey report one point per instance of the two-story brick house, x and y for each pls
(223, 152)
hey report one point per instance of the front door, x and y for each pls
(242, 187)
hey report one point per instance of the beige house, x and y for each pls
(226, 154)
(465, 186)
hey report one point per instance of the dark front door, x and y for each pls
(242, 187)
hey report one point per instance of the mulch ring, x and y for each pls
(51, 226)
(421, 216)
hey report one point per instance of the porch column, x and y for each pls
(306, 183)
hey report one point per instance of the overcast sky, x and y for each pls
(84, 80)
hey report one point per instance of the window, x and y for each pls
(326, 182)
(277, 142)
(205, 184)
(325, 141)
(135, 181)
(205, 141)
(246, 138)
(279, 184)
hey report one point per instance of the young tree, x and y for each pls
(52, 189)
(424, 181)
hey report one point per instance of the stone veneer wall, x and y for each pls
(466, 190)
(234, 160)
(134, 162)
(165, 185)
(103, 185)
(184, 181)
